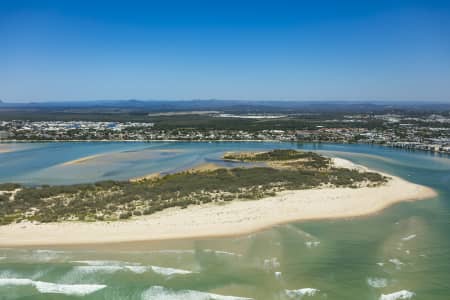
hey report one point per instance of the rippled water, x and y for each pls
(400, 253)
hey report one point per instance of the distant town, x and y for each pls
(428, 132)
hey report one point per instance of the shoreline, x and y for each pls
(220, 220)
(217, 141)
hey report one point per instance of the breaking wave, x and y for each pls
(106, 266)
(169, 271)
(396, 262)
(409, 237)
(162, 293)
(222, 252)
(404, 294)
(301, 292)
(312, 244)
(54, 288)
(377, 282)
(271, 263)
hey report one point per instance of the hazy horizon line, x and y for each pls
(5, 101)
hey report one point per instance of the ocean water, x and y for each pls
(400, 253)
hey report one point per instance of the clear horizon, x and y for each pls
(284, 50)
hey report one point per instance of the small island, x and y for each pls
(115, 200)
(268, 188)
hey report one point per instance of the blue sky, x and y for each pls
(289, 50)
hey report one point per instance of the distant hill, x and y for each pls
(230, 106)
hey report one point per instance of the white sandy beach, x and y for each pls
(233, 218)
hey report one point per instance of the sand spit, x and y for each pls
(5, 148)
(82, 160)
(233, 218)
(109, 157)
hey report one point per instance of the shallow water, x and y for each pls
(401, 252)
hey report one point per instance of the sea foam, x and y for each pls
(312, 244)
(409, 237)
(404, 294)
(377, 282)
(46, 255)
(102, 262)
(301, 292)
(169, 271)
(112, 266)
(162, 293)
(271, 263)
(173, 251)
(222, 252)
(396, 262)
(94, 269)
(54, 288)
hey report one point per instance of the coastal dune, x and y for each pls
(231, 218)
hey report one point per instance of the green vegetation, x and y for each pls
(189, 122)
(114, 200)
(9, 186)
(278, 154)
(283, 158)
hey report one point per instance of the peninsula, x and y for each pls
(201, 202)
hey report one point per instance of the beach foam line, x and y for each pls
(45, 255)
(162, 293)
(54, 288)
(173, 251)
(301, 292)
(403, 294)
(103, 262)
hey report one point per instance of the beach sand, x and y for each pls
(232, 218)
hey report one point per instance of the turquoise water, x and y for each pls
(404, 248)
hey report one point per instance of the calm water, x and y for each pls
(405, 247)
